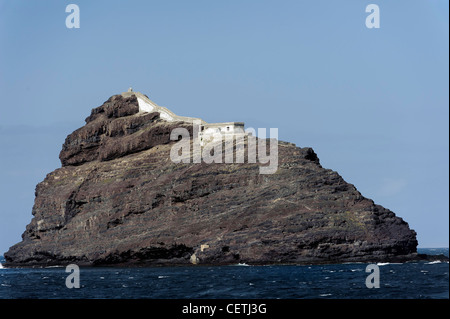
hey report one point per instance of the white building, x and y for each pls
(207, 131)
(211, 131)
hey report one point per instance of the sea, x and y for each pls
(411, 280)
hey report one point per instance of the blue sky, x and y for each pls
(373, 103)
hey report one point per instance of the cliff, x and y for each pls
(118, 199)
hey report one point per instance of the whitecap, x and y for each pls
(382, 264)
(160, 277)
(241, 264)
(433, 262)
(1, 266)
(325, 295)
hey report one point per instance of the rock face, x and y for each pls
(118, 199)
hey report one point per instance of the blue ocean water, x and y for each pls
(338, 281)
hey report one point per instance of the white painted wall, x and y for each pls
(216, 130)
(165, 116)
(144, 106)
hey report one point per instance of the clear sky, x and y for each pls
(373, 103)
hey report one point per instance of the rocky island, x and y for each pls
(119, 199)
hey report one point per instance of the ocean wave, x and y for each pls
(384, 264)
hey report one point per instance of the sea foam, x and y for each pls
(384, 264)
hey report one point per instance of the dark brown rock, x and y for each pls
(111, 132)
(119, 199)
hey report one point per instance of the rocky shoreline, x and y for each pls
(140, 264)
